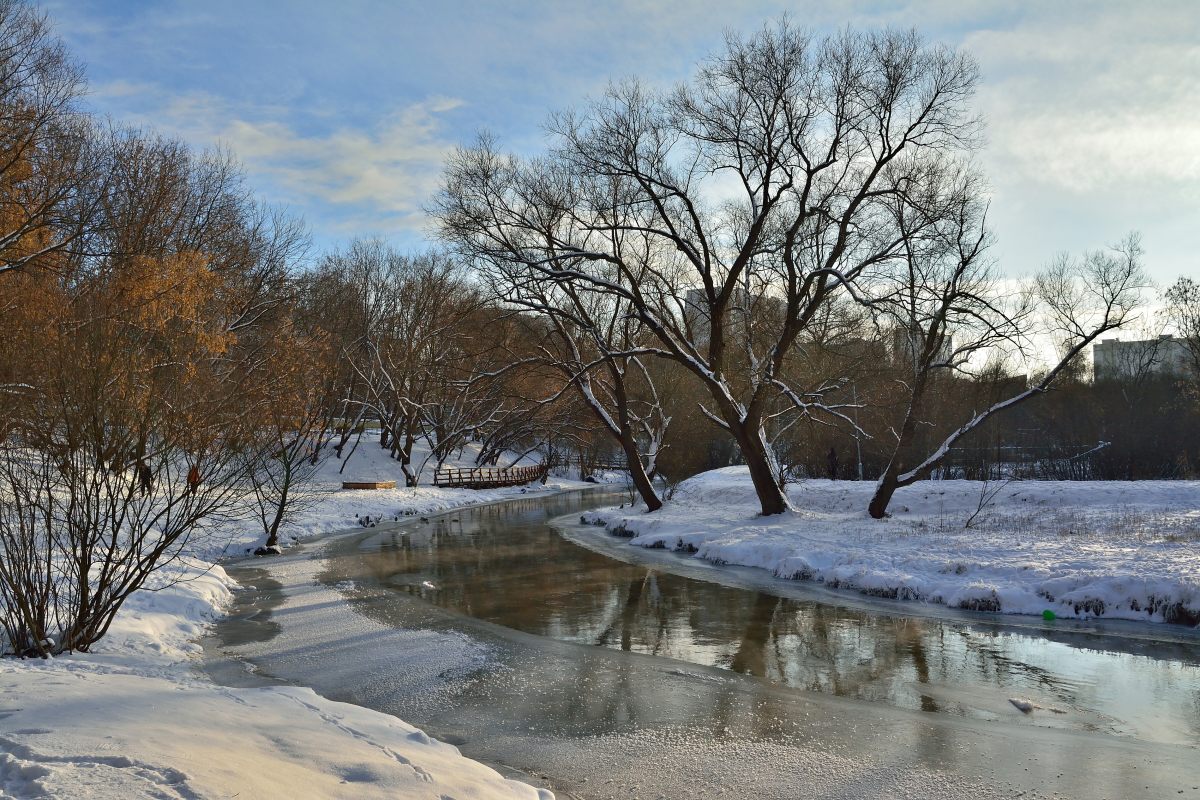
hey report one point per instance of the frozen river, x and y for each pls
(553, 651)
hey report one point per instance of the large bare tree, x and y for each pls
(590, 341)
(949, 289)
(753, 194)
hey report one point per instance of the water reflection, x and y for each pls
(506, 565)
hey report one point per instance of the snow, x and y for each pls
(73, 731)
(325, 507)
(1128, 550)
(134, 718)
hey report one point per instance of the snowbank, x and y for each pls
(1128, 550)
(79, 731)
(133, 718)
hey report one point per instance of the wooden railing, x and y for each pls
(487, 477)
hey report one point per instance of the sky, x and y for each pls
(343, 111)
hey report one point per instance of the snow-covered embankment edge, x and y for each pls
(135, 718)
(1122, 550)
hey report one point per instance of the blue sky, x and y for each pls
(343, 111)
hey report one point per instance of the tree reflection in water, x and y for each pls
(504, 564)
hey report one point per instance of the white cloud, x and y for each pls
(374, 178)
(392, 166)
(1093, 107)
(1094, 101)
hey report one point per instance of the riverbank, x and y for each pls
(1120, 550)
(600, 679)
(135, 717)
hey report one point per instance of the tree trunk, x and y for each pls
(282, 508)
(410, 438)
(889, 481)
(771, 498)
(745, 425)
(637, 472)
(273, 531)
(887, 486)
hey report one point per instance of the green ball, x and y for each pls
(1048, 615)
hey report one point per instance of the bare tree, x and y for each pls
(77, 537)
(409, 317)
(133, 439)
(587, 338)
(290, 432)
(1183, 311)
(765, 182)
(470, 389)
(1081, 299)
(46, 146)
(326, 305)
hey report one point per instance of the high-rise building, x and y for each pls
(1113, 359)
(906, 343)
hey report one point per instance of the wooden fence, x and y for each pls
(487, 477)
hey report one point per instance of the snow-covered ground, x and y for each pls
(326, 507)
(134, 718)
(1128, 550)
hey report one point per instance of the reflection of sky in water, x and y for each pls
(505, 565)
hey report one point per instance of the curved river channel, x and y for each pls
(564, 656)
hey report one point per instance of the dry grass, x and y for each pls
(1119, 524)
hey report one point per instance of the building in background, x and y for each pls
(906, 344)
(1163, 356)
(746, 314)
